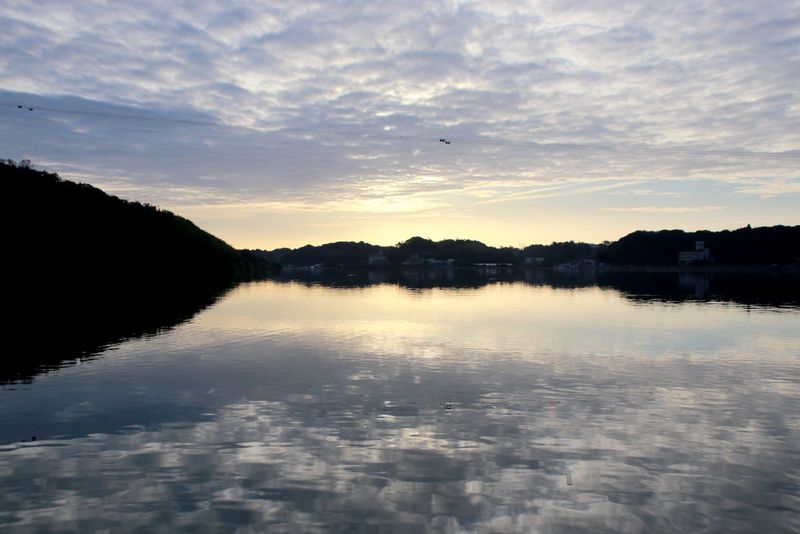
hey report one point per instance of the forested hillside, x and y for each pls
(768, 245)
(61, 231)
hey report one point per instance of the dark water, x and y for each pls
(414, 402)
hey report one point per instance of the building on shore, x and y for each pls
(377, 259)
(534, 261)
(414, 259)
(700, 253)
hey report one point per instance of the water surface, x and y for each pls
(369, 405)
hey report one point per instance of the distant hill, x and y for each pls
(764, 246)
(343, 252)
(556, 253)
(461, 251)
(62, 232)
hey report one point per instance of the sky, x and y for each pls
(276, 124)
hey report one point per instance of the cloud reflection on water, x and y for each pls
(294, 408)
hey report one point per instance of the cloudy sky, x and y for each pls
(284, 123)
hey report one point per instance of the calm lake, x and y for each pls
(419, 402)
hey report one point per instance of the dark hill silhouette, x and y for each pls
(751, 247)
(66, 232)
(342, 252)
(775, 245)
(556, 253)
(462, 251)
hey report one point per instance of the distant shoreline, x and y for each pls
(755, 269)
(783, 269)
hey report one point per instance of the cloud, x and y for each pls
(771, 188)
(317, 103)
(666, 209)
(647, 193)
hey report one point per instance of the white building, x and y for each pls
(377, 259)
(414, 259)
(700, 253)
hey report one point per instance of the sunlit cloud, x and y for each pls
(666, 209)
(647, 193)
(772, 189)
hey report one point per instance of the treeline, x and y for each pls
(62, 232)
(461, 251)
(339, 253)
(774, 245)
(765, 246)
(564, 252)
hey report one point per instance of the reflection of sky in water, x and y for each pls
(297, 408)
